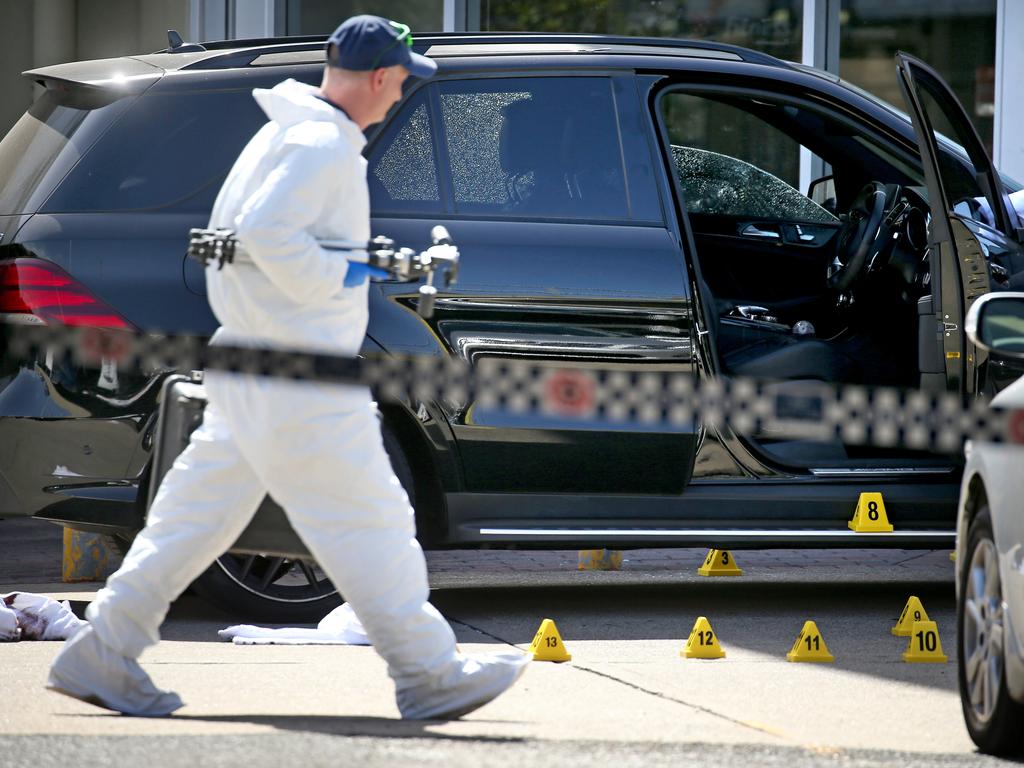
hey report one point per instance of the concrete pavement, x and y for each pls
(626, 697)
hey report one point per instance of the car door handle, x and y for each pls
(752, 230)
(803, 236)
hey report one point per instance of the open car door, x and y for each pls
(971, 217)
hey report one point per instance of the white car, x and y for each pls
(990, 548)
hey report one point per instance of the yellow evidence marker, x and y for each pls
(547, 644)
(925, 646)
(809, 645)
(912, 611)
(599, 560)
(703, 642)
(870, 516)
(719, 562)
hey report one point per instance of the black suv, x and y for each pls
(621, 202)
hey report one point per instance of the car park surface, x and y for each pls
(627, 696)
(580, 247)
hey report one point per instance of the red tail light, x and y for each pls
(37, 292)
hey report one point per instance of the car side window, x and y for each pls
(542, 148)
(730, 162)
(402, 172)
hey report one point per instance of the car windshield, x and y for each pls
(726, 186)
(46, 143)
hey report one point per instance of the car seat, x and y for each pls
(776, 355)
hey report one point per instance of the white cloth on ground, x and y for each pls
(37, 617)
(9, 629)
(339, 627)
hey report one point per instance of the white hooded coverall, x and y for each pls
(316, 449)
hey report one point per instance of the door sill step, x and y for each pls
(879, 471)
(718, 534)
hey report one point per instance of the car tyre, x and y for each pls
(281, 590)
(993, 718)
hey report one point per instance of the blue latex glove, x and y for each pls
(358, 272)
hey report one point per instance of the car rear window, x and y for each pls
(168, 150)
(48, 140)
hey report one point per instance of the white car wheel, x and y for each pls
(992, 717)
(983, 631)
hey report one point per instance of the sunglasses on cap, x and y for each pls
(404, 35)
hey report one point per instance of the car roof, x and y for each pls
(231, 54)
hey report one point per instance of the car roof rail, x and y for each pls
(241, 53)
(586, 38)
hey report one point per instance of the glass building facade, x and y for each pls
(320, 17)
(772, 26)
(957, 37)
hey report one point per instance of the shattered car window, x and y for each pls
(402, 174)
(543, 148)
(714, 183)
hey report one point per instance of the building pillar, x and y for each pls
(252, 19)
(1008, 144)
(821, 35)
(53, 32)
(461, 16)
(448, 18)
(208, 20)
(820, 42)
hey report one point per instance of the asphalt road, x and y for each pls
(626, 698)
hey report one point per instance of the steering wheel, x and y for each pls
(859, 233)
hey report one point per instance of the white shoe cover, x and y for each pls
(468, 684)
(92, 672)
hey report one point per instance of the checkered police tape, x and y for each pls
(564, 393)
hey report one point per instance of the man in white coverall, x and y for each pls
(317, 449)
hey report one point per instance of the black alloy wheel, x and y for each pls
(270, 589)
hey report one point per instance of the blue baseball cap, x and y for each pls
(367, 42)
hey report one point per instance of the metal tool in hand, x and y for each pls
(221, 246)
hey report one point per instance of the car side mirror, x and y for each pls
(996, 324)
(823, 192)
